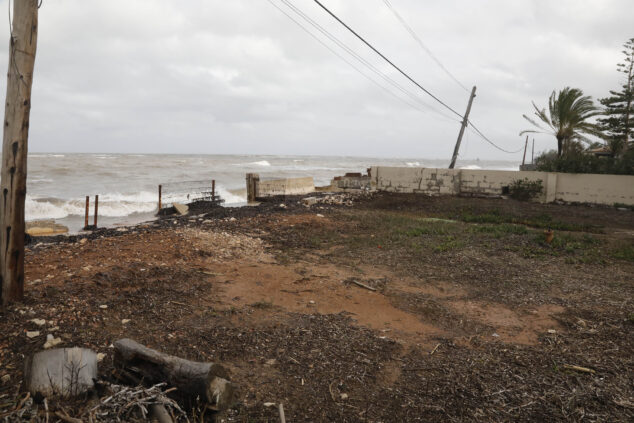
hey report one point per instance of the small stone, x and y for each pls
(83, 240)
(125, 321)
(103, 306)
(233, 219)
(39, 322)
(52, 342)
(32, 334)
(5, 379)
(344, 396)
(552, 331)
(495, 335)
(311, 302)
(100, 357)
(269, 404)
(270, 362)
(320, 215)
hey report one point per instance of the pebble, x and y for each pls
(51, 341)
(344, 396)
(233, 219)
(39, 322)
(269, 404)
(311, 302)
(552, 331)
(83, 240)
(32, 334)
(100, 357)
(320, 215)
(103, 306)
(125, 321)
(270, 362)
(495, 335)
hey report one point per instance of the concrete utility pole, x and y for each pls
(525, 148)
(22, 47)
(465, 122)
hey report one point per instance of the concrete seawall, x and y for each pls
(581, 188)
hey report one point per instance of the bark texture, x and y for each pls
(22, 47)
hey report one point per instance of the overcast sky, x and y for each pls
(239, 77)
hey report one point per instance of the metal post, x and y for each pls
(525, 148)
(87, 211)
(465, 122)
(160, 197)
(96, 209)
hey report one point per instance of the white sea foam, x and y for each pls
(260, 163)
(471, 167)
(413, 164)
(110, 205)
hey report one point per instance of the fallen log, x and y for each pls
(206, 381)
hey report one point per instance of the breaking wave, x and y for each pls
(110, 205)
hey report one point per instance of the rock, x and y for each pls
(51, 341)
(63, 371)
(5, 379)
(344, 396)
(100, 357)
(269, 404)
(320, 215)
(45, 228)
(39, 322)
(103, 306)
(125, 321)
(270, 362)
(282, 206)
(33, 334)
(233, 219)
(181, 209)
(309, 201)
(83, 240)
(552, 331)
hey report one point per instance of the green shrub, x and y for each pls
(524, 190)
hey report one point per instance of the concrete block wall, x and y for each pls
(287, 186)
(586, 188)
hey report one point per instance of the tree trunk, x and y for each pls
(559, 146)
(206, 381)
(22, 47)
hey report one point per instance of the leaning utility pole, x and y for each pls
(22, 46)
(465, 122)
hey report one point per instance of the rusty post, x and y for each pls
(96, 209)
(213, 190)
(160, 195)
(87, 211)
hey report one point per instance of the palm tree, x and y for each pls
(567, 119)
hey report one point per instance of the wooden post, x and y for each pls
(252, 186)
(96, 209)
(525, 148)
(160, 195)
(87, 211)
(465, 122)
(213, 190)
(22, 48)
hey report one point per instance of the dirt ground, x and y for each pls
(400, 308)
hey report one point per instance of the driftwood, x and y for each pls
(206, 381)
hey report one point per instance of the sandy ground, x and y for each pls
(464, 321)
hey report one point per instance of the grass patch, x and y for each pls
(448, 244)
(500, 230)
(262, 305)
(624, 252)
(542, 221)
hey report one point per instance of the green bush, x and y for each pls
(524, 190)
(583, 162)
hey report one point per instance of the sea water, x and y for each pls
(127, 184)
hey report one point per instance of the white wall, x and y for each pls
(582, 188)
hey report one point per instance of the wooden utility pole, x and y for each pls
(465, 122)
(22, 47)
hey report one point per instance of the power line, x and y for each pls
(386, 59)
(414, 106)
(359, 58)
(484, 137)
(422, 45)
